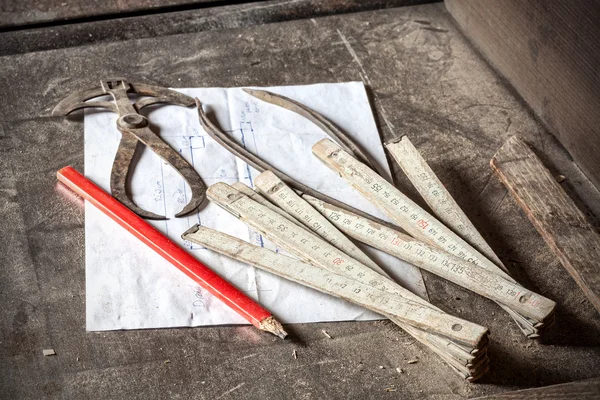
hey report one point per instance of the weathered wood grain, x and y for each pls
(556, 217)
(549, 51)
(582, 390)
(52, 26)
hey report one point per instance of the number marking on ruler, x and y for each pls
(461, 360)
(467, 365)
(436, 195)
(449, 212)
(282, 195)
(406, 213)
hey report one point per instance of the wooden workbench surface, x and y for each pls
(425, 81)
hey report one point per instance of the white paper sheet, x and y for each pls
(128, 286)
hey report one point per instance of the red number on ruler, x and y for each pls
(422, 223)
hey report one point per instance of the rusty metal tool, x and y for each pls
(327, 126)
(135, 129)
(261, 166)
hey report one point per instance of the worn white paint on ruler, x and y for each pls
(129, 287)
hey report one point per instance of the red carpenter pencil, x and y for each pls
(200, 273)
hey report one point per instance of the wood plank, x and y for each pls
(556, 217)
(584, 389)
(14, 13)
(549, 50)
(84, 25)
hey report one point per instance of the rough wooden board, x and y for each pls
(204, 18)
(549, 50)
(425, 80)
(15, 13)
(556, 217)
(582, 390)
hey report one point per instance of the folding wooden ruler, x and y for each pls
(529, 310)
(423, 255)
(460, 343)
(437, 197)
(469, 363)
(449, 212)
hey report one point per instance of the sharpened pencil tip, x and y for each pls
(273, 326)
(282, 335)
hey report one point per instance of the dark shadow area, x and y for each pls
(509, 370)
(571, 329)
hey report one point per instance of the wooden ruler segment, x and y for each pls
(400, 208)
(286, 198)
(556, 217)
(449, 212)
(436, 261)
(470, 368)
(299, 241)
(468, 362)
(437, 197)
(464, 358)
(409, 307)
(248, 191)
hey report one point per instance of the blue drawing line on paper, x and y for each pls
(191, 245)
(262, 242)
(192, 145)
(162, 175)
(203, 147)
(249, 177)
(253, 137)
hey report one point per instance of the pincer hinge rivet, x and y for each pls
(132, 121)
